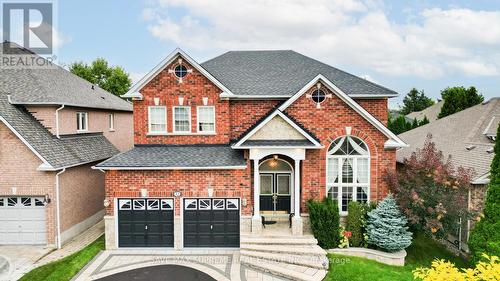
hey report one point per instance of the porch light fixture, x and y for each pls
(106, 203)
(274, 162)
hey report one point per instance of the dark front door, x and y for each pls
(212, 222)
(275, 191)
(146, 222)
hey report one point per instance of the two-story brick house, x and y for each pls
(54, 126)
(245, 135)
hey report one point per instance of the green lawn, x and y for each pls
(421, 253)
(67, 267)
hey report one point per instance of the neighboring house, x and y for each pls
(430, 112)
(246, 134)
(54, 126)
(468, 137)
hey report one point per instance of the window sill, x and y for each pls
(82, 131)
(180, 134)
(111, 130)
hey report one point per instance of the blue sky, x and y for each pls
(398, 44)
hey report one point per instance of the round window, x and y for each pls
(318, 96)
(180, 71)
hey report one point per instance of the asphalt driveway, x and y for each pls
(160, 273)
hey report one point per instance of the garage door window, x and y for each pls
(205, 204)
(232, 204)
(11, 202)
(124, 204)
(167, 204)
(153, 204)
(190, 204)
(139, 204)
(218, 204)
(2, 202)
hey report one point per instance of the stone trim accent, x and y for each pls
(397, 258)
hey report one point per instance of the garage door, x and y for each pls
(212, 222)
(22, 220)
(146, 222)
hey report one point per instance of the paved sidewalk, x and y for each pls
(17, 260)
(76, 244)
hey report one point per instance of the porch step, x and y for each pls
(311, 261)
(311, 250)
(289, 271)
(279, 240)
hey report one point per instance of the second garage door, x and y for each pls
(22, 220)
(212, 222)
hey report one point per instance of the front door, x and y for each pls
(275, 192)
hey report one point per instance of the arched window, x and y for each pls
(348, 171)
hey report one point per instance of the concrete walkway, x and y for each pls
(219, 264)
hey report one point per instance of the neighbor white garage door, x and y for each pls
(22, 220)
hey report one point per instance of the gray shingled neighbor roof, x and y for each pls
(461, 135)
(67, 151)
(55, 86)
(282, 73)
(176, 156)
(430, 112)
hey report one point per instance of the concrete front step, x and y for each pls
(278, 240)
(290, 271)
(312, 261)
(312, 250)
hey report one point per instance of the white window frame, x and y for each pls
(189, 119)
(111, 121)
(164, 118)
(79, 124)
(198, 118)
(340, 185)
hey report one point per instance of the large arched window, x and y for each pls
(348, 171)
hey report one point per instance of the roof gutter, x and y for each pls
(57, 121)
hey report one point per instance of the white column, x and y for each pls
(297, 219)
(296, 187)
(256, 189)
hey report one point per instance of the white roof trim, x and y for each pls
(397, 142)
(134, 91)
(171, 168)
(276, 146)
(484, 179)
(45, 163)
(288, 120)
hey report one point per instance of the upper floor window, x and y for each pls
(111, 121)
(182, 119)
(82, 121)
(157, 119)
(206, 119)
(348, 171)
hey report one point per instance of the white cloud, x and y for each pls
(433, 43)
(136, 76)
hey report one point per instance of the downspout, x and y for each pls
(58, 205)
(57, 121)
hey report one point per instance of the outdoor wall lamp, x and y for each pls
(106, 203)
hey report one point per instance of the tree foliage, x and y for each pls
(325, 222)
(430, 191)
(400, 124)
(485, 236)
(112, 79)
(457, 99)
(387, 226)
(415, 100)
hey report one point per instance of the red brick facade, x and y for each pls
(233, 117)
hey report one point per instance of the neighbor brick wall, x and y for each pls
(82, 194)
(122, 136)
(327, 123)
(225, 183)
(18, 168)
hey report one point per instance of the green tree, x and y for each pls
(485, 236)
(387, 226)
(457, 99)
(112, 79)
(400, 124)
(415, 101)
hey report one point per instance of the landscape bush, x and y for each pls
(325, 222)
(356, 223)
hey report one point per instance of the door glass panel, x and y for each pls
(11, 201)
(167, 204)
(218, 204)
(283, 184)
(153, 204)
(205, 204)
(266, 184)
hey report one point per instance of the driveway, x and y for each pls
(160, 273)
(17, 260)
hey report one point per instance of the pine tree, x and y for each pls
(387, 227)
(485, 236)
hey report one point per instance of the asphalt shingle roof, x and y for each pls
(454, 134)
(176, 156)
(278, 143)
(282, 73)
(55, 85)
(67, 151)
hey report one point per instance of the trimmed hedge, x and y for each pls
(356, 223)
(325, 222)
